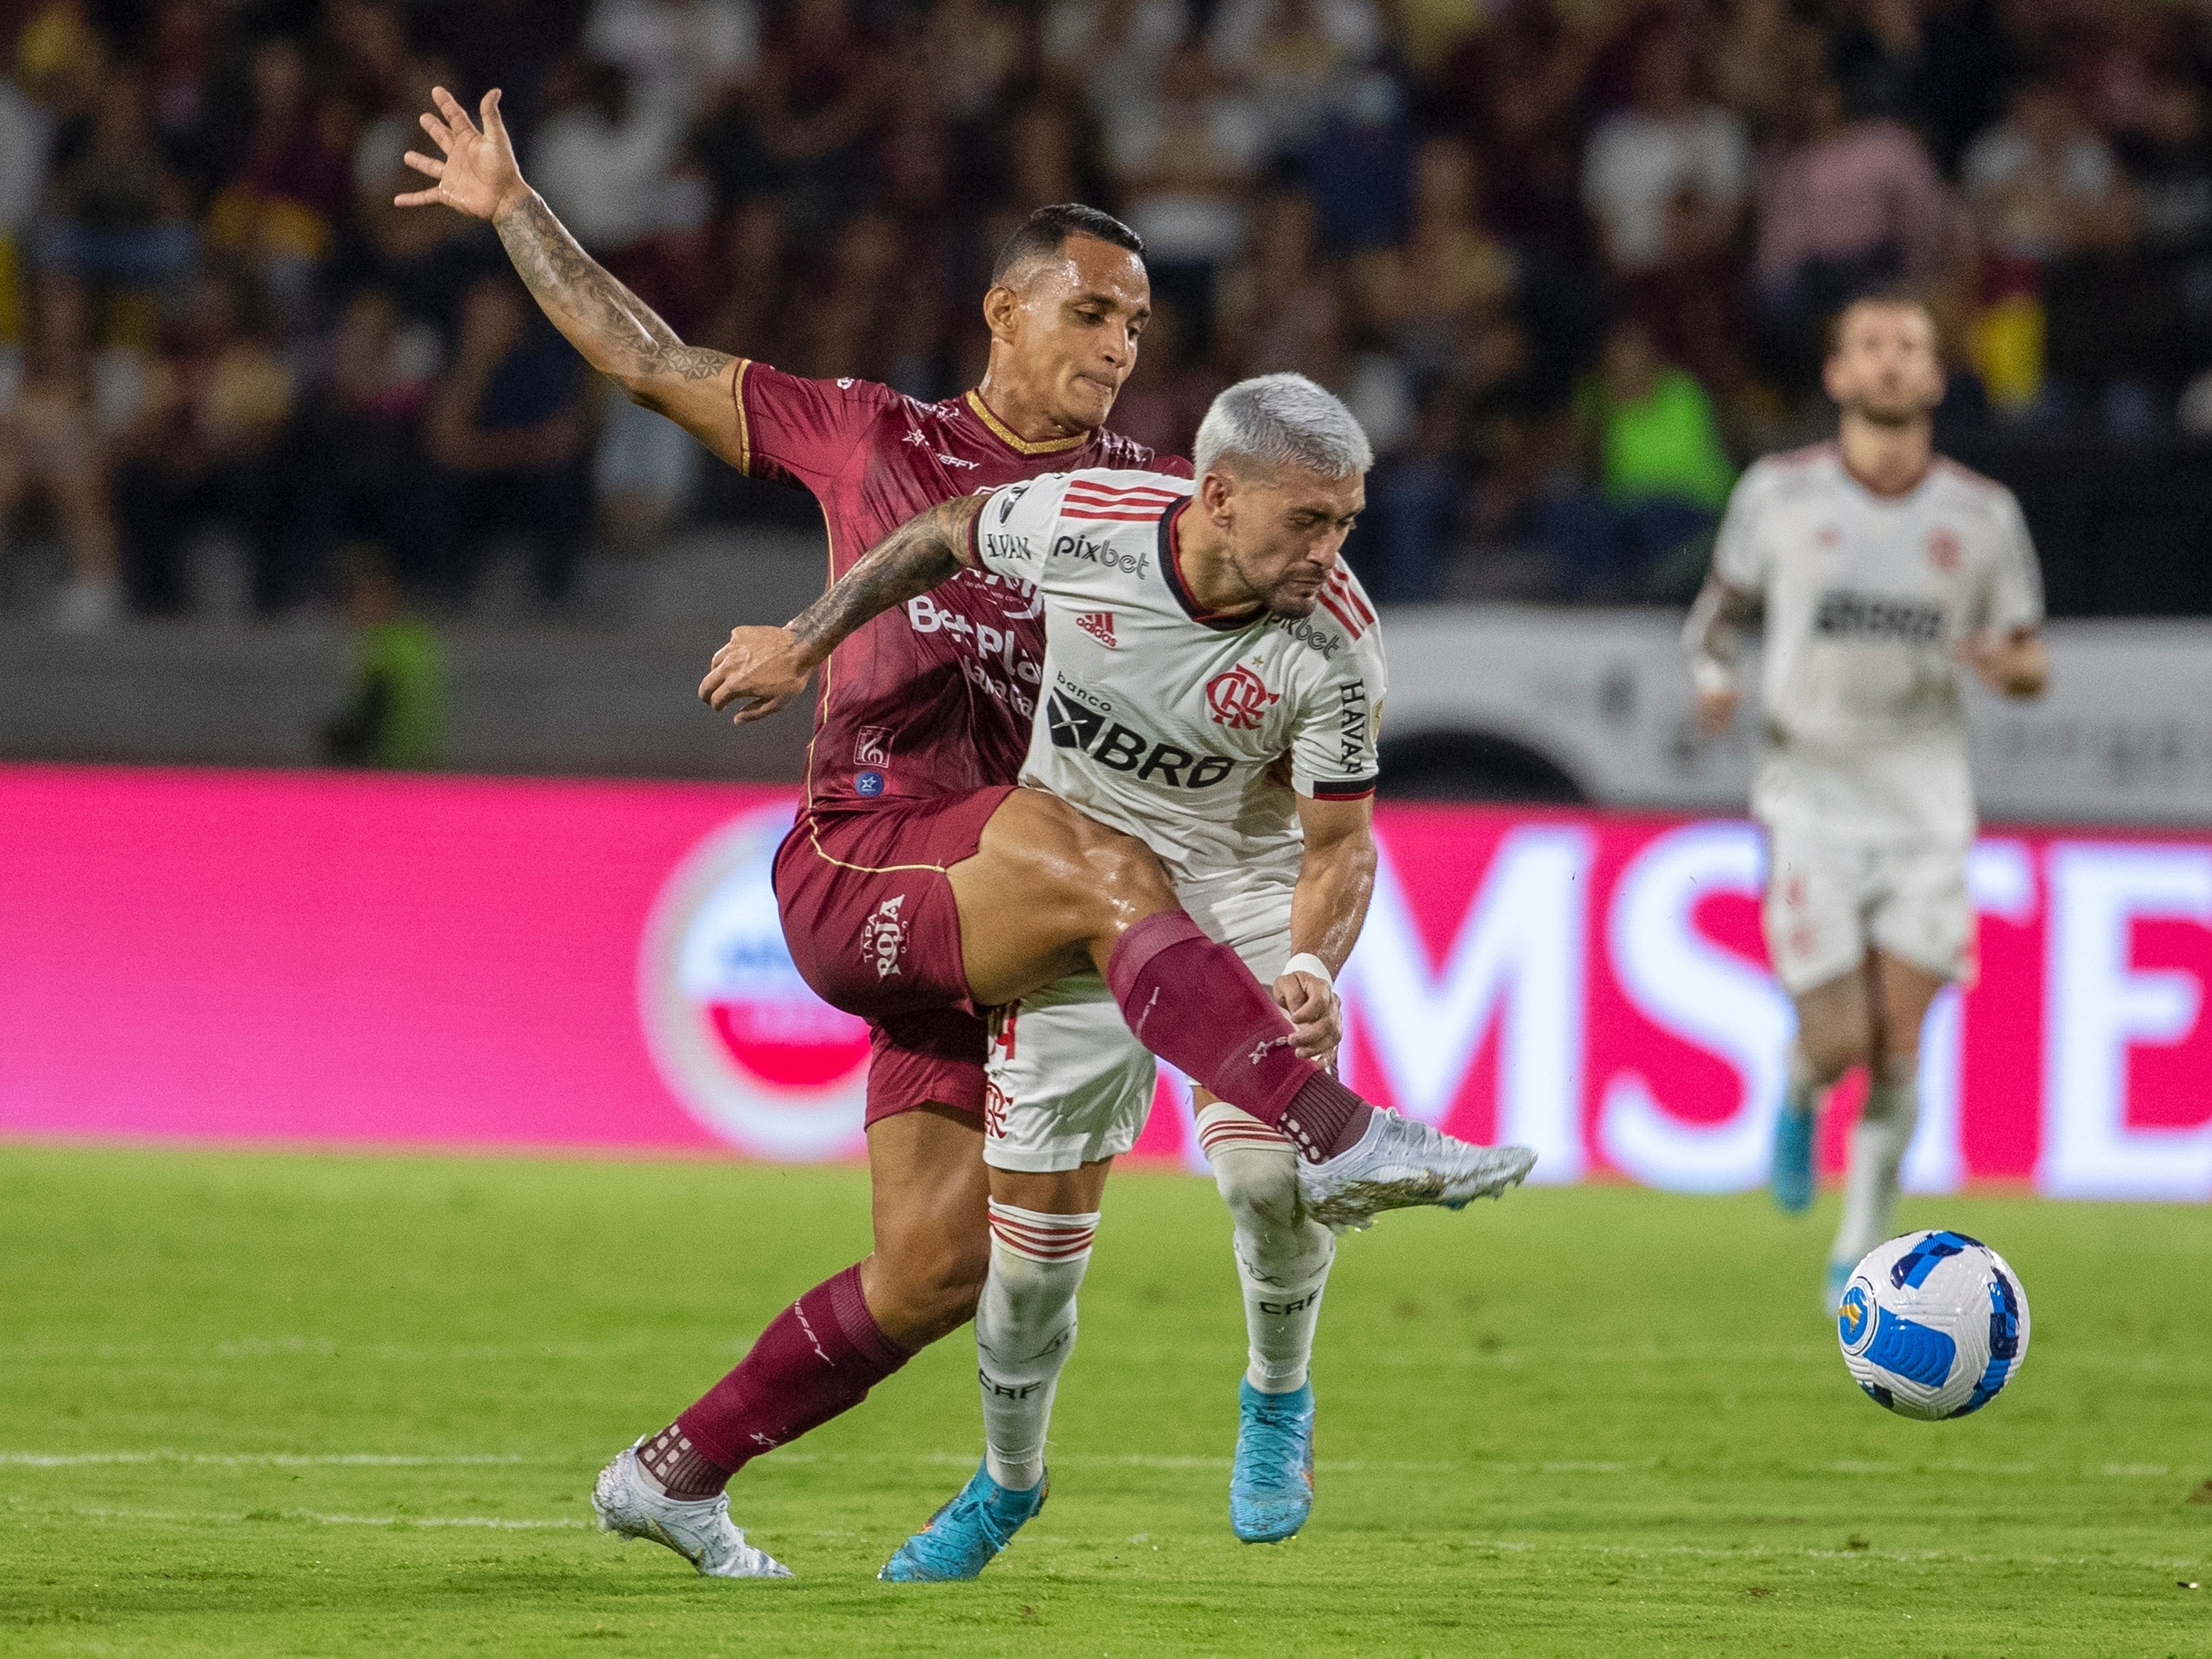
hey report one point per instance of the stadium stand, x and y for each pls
(1568, 259)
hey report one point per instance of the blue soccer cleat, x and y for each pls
(1271, 1491)
(1791, 1178)
(961, 1538)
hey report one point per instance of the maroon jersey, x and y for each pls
(938, 695)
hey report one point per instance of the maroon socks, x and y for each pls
(1195, 1004)
(818, 1358)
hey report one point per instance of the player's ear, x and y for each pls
(1215, 491)
(1001, 305)
(1831, 377)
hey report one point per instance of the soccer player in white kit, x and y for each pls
(1880, 568)
(1210, 686)
(1240, 745)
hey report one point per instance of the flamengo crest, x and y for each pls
(1239, 699)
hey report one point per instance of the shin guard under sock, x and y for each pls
(818, 1359)
(1195, 1004)
(1024, 1331)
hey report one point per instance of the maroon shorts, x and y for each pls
(873, 927)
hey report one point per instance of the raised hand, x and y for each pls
(477, 173)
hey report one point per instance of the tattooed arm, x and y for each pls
(618, 333)
(762, 669)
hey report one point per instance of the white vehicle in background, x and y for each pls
(1529, 703)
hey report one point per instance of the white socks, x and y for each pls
(1282, 1258)
(1878, 1142)
(1802, 1094)
(1024, 1331)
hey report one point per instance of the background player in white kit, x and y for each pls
(1880, 568)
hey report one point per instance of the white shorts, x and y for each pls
(1828, 899)
(1068, 1085)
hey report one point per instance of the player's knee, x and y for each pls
(932, 1291)
(1832, 1050)
(1260, 1187)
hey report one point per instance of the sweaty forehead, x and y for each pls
(1302, 491)
(1086, 267)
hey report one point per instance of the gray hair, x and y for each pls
(1275, 421)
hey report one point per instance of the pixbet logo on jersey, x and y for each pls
(1239, 699)
(735, 1033)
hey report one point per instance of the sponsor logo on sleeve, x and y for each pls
(1086, 551)
(1239, 699)
(1352, 733)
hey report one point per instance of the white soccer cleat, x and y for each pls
(698, 1529)
(1399, 1164)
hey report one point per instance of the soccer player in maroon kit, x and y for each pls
(941, 706)
(911, 822)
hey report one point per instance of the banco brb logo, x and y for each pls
(736, 1034)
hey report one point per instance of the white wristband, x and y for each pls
(1711, 675)
(1307, 962)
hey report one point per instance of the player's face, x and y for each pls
(1285, 532)
(1885, 368)
(1076, 327)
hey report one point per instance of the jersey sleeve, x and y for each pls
(800, 431)
(1333, 750)
(2015, 591)
(1012, 536)
(1739, 558)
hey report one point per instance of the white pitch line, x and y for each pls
(272, 1460)
(492, 1522)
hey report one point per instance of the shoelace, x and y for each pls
(1275, 1441)
(969, 1501)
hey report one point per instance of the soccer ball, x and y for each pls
(1933, 1325)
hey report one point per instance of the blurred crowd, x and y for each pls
(1569, 260)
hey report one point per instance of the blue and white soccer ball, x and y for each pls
(1933, 1325)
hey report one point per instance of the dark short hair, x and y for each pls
(1046, 231)
(1895, 298)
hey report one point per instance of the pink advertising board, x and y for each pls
(249, 956)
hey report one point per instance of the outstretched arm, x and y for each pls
(618, 333)
(762, 669)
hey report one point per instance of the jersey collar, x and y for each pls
(1879, 494)
(1223, 621)
(1021, 445)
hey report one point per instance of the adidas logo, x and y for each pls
(1099, 624)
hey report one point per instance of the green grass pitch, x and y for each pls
(291, 1404)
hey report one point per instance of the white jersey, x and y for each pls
(1868, 598)
(1187, 730)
